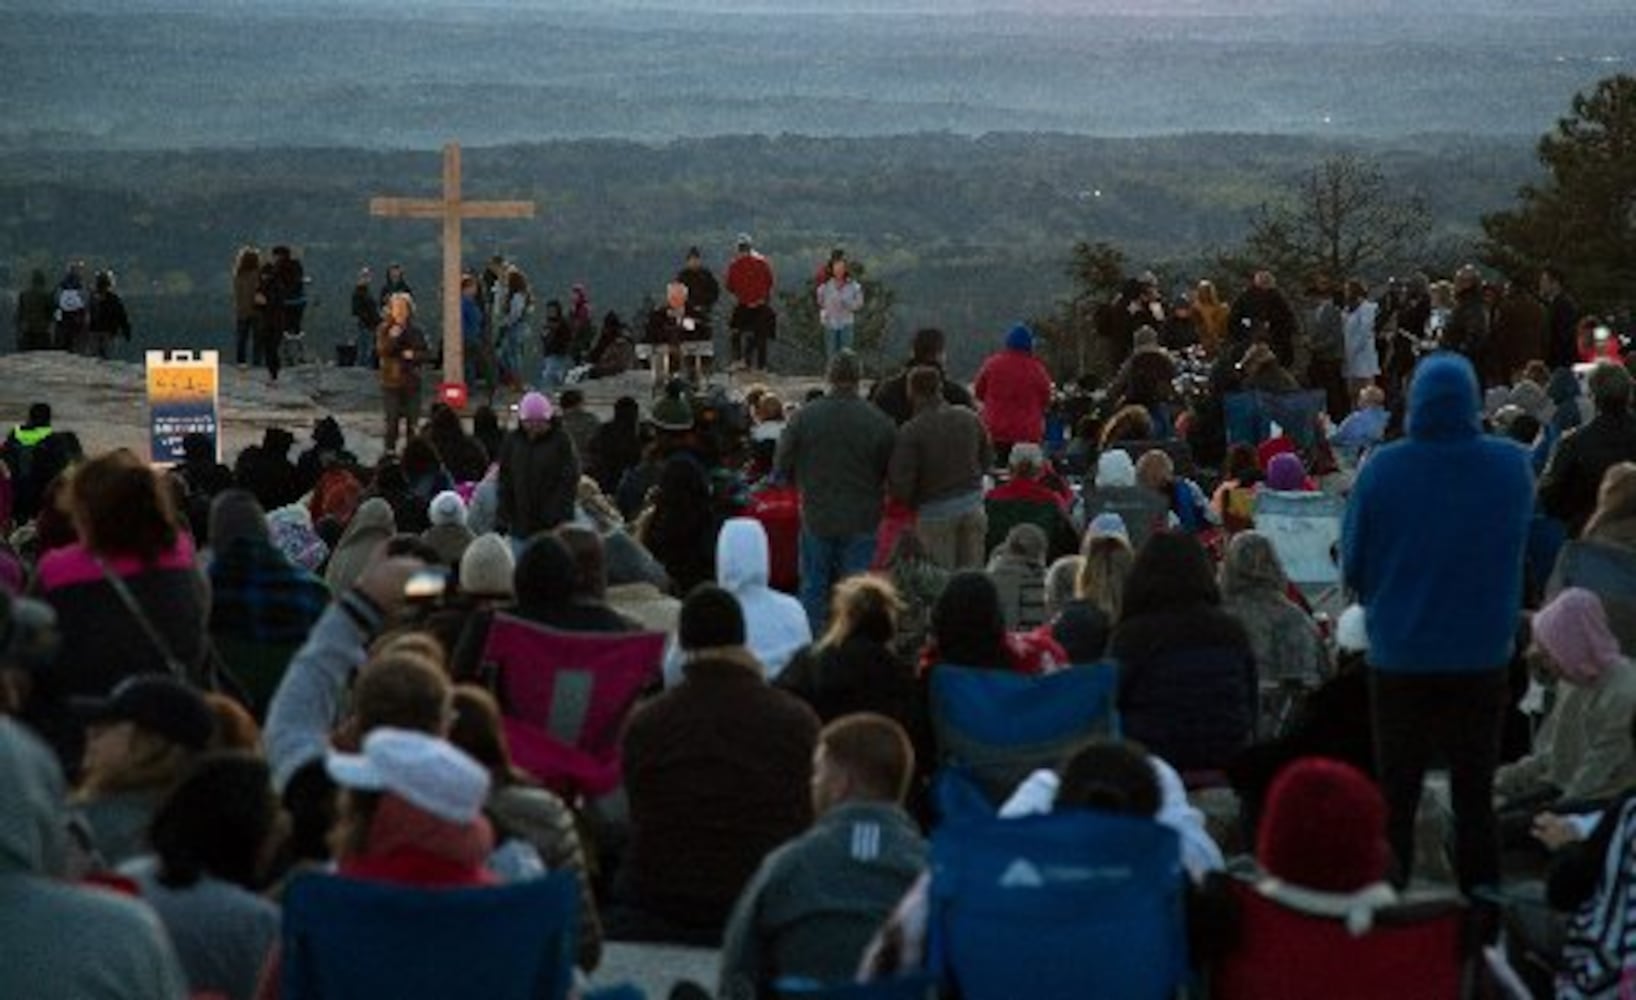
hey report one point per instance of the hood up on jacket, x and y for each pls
(742, 557)
(1444, 404)
(33, 822)
(373, 524)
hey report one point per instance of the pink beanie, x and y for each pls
(534, 407)
(1573, 630)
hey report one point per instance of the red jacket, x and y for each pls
(1015, 390)
(750, 279)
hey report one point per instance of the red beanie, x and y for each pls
(1324, 827)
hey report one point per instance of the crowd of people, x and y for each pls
(74, 317)
(221, 681)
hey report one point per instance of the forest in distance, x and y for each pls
(971, 233)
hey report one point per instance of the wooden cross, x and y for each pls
(451, 209)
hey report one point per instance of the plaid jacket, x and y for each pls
(260, 595)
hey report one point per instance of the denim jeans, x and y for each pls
(837, 339)
(826, 561)
(554, 370)
(366, 349)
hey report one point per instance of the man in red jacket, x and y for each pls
(1015, 391)
(750, 280)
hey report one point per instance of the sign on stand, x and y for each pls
(183, 398)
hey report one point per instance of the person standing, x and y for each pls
(1015, 391)
(477, 361)
(539, 472)
(33, 316)
(366, 315)
(1561, 319)
(703, 291)
(1326, 340)
(836, 450)
(1263, 307)
(108, 318)
(400, 345)
(395, 283)
(1433, 544)
(937, 471)
(291, 281)
(513, 305)
(1518, 334)
(73, 310)
(246, 282)
(926, 350)
(1466, 328)
(839, 299)
(750, 279)
(1361, 364)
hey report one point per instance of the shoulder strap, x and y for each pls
(128, 599)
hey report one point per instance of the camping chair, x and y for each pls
(915, 986)
(1144, 511)
(1415, 949)
(345, 937)
(1072, 904)
(1305, 531)
(1000, 727)
(564, 697)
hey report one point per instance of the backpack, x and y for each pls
(70, 300)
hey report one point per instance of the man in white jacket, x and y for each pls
(776, 626)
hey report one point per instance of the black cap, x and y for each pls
(157, 703)
(711, 618)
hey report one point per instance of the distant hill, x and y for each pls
(973, 233)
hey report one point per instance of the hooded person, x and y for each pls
(1287, 474)
(1014, 389)
(448, 535)
(328, 450)
(693, 848)
(1582, 752)
(549, 593)
(372, 525)
(1018, 571)
(1289, 651)
(266, 469)
(46, 922)
(681, 527)
(1433, 543)
(539, 471)
(776, 625)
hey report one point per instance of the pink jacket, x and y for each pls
(1015, 390)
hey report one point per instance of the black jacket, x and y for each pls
(859, 675)
(539, 481)
(892, 395)
(1187, 685)
(1570, 484)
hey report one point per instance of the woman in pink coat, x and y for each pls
(1015, 390)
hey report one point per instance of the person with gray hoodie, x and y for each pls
(47, 924)
(776, 624)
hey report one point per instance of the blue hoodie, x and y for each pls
(1435, 533)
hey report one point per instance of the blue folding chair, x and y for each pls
(345, 938)
(1072, 904)
(1000, 726)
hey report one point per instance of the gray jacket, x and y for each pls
(836, 450)
(815, 904)
(309, 699)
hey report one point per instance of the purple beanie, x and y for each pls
(1286, 473)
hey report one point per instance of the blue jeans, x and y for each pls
(837, 339)
(554, 370)
(826, 561)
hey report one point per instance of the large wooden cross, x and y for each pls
(451, 209)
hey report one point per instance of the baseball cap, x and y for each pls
(158, 703)
(428, 772)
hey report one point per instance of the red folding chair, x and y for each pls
(565, 697)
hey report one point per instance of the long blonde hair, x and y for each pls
(868, 605)
(1615, 498)
(1101, 582)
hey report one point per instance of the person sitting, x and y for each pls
(1364, 427)
(1582, 753)
(212, 837)
(448, 534)
(1088, 609)
(58, 939)
(919, 582)
(776, 624)
(968, 630)
(140, 740)
(1233, 502)
(1018, 571)
(853, 668)
(1189, 510)
(716, 771)
(1025, 499)
(815, 903)
(1573, 476)
(1289, 651)
(1187, 685)
(1287, 474)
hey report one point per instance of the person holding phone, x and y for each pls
(401, 346)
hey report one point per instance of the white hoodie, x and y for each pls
(775, 624)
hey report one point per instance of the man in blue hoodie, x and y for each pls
(1433, 546)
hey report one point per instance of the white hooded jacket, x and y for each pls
(775, 624)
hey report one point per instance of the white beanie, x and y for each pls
(1114, 468)
(447, 509)
(428, 772)
(486, 567)
(1351, 631)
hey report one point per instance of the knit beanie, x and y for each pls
(1114, 468)
(844, 369)
(711, 619)
(1352, 630)
(534, 406)
(1027, 541)
(447, 509)
(236, 514)
(675, 411)
(1324, 827)
(1573, 631)
(486, 567)
(1285, 472)
(1021, 338)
